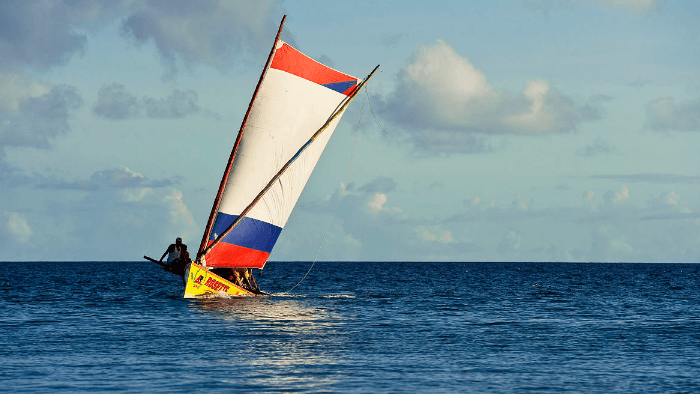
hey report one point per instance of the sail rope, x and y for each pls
(373, 114)
(342, 191)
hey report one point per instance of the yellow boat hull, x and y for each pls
(200, 282)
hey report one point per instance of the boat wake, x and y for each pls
(287, 295)
(290, 295)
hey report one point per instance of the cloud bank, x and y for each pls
(651, 178)
(34, 114)
(663, 114)
(632, 7)
(597, 148)
(113, 204)
(120, 178)
(14, 226)
(45, 34)
(445, 104)
(38, 36)
(207, 31)
(114, 102)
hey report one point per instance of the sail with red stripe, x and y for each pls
(296, 97)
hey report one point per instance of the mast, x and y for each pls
(284, 168)
(224, 178)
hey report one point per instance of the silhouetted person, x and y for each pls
(178, 257)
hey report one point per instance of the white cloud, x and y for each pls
(207, 32)
(441, 99)
(426, 235)
(118, 204)
(672, 198)
(133, 184)
(33, 114)
(305, 236)
(607, 231)
(666, 205)
(623, 194)
(17, 88)
(451, 80)
(16, 226)
(518, 204)
(376, 204)
(634, 6)
(45, 34)
(344, 189)
(446, 237)
(616, 197)
(114, 102)
(134, 195)
(589, 195)
(510, 242)
(479, 203)
(181, 218)
(653, 178)
(621, 245)
(536, 118)
(664, 114)
(442, 89)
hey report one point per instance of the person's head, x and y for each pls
(178, 240)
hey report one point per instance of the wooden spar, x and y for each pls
(224, 178)
(162, 264)
(285, 167)
(166, 267)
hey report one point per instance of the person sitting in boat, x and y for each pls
(243, 277)
(251, 280)
(178, 257)
(236, 278)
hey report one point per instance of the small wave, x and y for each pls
(339, 296)
(291, 295)
(287, 295)
(222, 296)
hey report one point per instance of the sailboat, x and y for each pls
(295, 108)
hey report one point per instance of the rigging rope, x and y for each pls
(342, 191)
(372, 109)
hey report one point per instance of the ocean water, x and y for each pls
(354, 327)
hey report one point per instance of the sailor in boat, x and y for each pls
(242, 277)
(248, 279)
(178, 257)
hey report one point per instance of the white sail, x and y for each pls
(296, 97)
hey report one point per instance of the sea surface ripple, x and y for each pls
(354, 327)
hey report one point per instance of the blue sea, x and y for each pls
(354, 327)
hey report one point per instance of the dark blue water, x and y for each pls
(354, 327)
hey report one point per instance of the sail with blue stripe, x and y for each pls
(296, 97)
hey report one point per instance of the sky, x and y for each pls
(521, 130)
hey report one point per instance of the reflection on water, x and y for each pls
(271, 309)
(280, 337)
